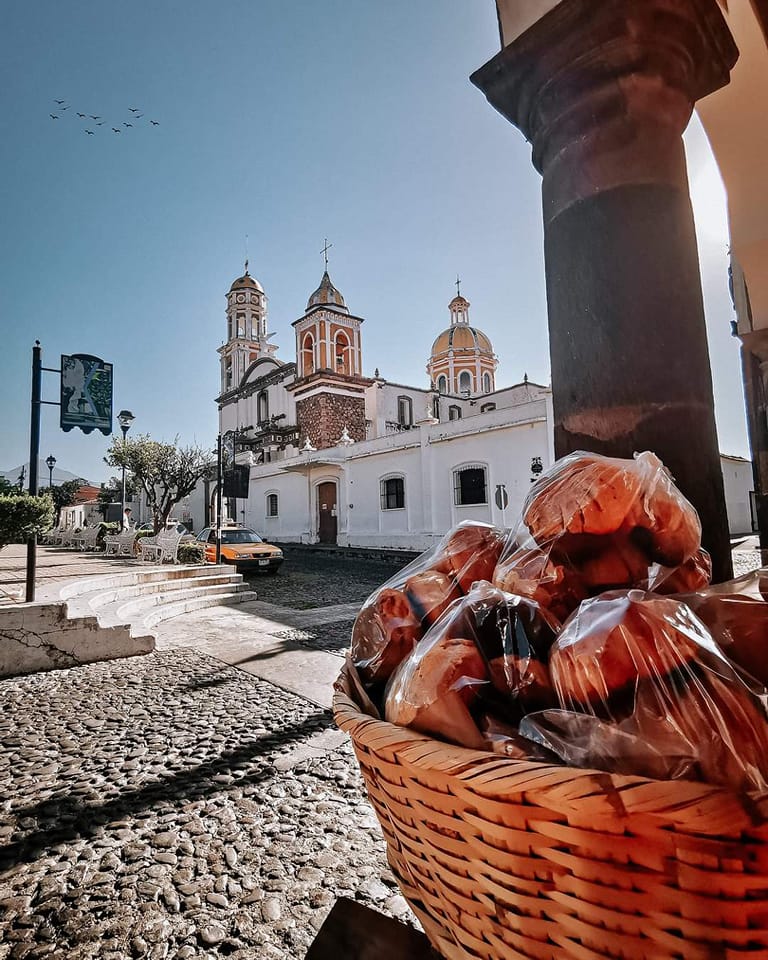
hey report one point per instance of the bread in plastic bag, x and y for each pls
(487, 654)
(736, 614)
(396, 615)
(584, 740)
(592, 524)
(588, 495)
(646, 664)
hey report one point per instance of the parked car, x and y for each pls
(243, 547)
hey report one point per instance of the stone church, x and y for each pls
(338, 455)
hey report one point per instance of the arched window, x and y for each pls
(442, 384)
(487, 407)
(470, 485)
(308, 355)
(465, 382)
(404, 411)
(392, 491)
(272, 505)
(454, 412)
(228, 374)
(263, 407)
(486, 383)
(342, 354)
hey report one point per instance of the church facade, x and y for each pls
(339, 456)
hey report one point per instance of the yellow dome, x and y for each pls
(462, 337)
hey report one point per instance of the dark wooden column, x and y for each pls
(603, 89)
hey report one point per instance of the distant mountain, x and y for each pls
(59, 476)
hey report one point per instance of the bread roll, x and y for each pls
(589, 495)
(433, 689)
(469, 553)
(431, 593)
(614, 641)
(384, 633)
(532, 573)
(695, 574)
(739, 626)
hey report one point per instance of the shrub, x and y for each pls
(23, 516)
(108, 529)
(140, 534)
(191, 552)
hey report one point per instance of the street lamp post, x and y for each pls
(125, 418)
(50, 463)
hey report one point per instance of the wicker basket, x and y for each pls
(503, 859)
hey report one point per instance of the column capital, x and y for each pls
(595, 78)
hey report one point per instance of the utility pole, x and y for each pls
(219, 480)
(34, 454)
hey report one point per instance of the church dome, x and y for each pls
(461, 337)
(462, 361)
(246, 282)
(326, 295)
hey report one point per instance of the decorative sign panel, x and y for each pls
(86, 393)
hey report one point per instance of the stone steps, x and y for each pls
(109, 616)
(142, 598)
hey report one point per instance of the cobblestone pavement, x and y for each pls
(155, 807)
(309, 579)
(332, 637)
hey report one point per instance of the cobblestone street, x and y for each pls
(197, 802)
(175, 806)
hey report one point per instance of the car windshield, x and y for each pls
(240, 536)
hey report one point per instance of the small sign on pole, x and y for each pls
(86, 393)
(502, 497)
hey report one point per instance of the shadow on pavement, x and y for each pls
(72, 819)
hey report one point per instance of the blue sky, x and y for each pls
(289, 123)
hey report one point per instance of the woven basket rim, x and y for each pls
(496, 777)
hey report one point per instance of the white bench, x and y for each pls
(65, 537)
(164, 546)
(87, 539)
(120, 544)
(51, 535)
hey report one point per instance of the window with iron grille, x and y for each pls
(469, 486)
(393, 493)
(272, 504)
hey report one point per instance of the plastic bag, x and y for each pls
(736, 614)
(648, 666)
(588, 495)
(485, 656)
(583, 740)
(592, 524)
(397, 615)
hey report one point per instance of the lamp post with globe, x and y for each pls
(50, 463)
(125, 418)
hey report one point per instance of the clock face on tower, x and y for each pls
(241, 298)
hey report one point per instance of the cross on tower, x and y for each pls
(325, 250)
(458, 285)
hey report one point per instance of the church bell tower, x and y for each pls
(246, 330)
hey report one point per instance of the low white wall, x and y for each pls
(38, 636)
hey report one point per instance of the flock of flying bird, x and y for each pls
(136, 115)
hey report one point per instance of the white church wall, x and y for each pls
(739, 485)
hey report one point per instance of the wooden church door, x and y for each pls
(326, 506)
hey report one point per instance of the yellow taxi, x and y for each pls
(243, 547)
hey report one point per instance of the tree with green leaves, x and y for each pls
(165, 472)
(64, 494)
(23, 516)
(112, 492)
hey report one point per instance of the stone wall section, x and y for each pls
(37, 637)
(322, 418)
